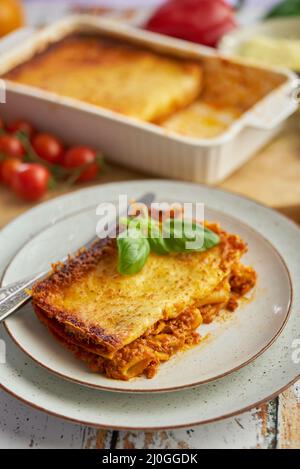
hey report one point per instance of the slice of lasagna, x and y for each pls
(125, 326)
(113, 74)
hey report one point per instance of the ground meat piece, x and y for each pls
(242, 279)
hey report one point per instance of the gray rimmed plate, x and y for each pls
(208, 402)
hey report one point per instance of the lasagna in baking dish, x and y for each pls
(124, 326)
(113, 74)
(197, 97)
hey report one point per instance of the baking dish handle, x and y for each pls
(274, 109)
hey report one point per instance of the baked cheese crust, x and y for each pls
(114, 75)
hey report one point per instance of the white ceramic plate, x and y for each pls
(229, 345)
(258, 381)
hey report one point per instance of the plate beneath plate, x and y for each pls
(260, 380)
(229, 344)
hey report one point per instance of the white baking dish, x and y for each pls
(140, 145)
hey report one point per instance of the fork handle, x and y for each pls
(13, 296)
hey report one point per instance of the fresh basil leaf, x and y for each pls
(178, 233)
(156, 240)
(135, 224)
(133, 252)
(211, 239)
(173, 235)
(159, 246)
(124, 221)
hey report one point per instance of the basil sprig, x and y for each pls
(143, 236)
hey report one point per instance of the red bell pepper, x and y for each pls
(201, 21)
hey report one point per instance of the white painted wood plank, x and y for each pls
(249, 430)
(289, 418)
(24, 427)
(99, 439)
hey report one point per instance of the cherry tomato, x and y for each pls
(8, 169)
(48, 147)
(30, 181)
(82, 156)
(89, 174)
(11, 146)
(21, 126)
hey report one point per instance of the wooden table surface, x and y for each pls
(271, 177)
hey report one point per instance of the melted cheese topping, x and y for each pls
(126, 306)
(114, 75)
(201, 120)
